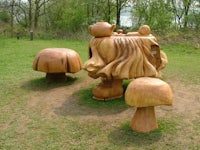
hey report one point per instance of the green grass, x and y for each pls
(86, 99)
(184, 60)
(137, 140)
(23, 127)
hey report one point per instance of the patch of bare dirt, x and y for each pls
(62, 101)
(186, 100)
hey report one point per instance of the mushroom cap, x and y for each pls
(101, 29)
(144, 30)
(147, 91)
(57, 60)
(120, 31)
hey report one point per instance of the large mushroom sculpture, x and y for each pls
(55, 62)
(114, 57)
(145, 93)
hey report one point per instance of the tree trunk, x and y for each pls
(30, 15)
(37, 13)
(109, 12)
(187, 5)
(118, 7)
(12, 18)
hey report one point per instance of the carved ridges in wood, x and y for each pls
(55, 60)
(123, 57)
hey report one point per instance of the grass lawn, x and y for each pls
(38, 115)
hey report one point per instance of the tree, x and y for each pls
(156, 13)
(99, 10)
(186, 4)
(194, 15)
(37, 8)
(40, 10)
(10, 7)
(30, 14)
(109, 11)
(4, 16)
(181, 9)
(120, 4)
(67, 16)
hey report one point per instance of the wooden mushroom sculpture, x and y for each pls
(144, 30)
(115, 57)
(145, 93)
(56, 62)
(101, 29)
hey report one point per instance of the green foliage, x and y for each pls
(67, 16)
(157, 14)
(194, 20)
(4, 16)
(4, 23)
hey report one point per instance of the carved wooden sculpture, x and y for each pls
(101, 29)
(145, 93)
(115, 56)
(56, 62)
(144, 30)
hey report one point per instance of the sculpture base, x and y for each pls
(108, 90)
(144, 120)
(56, 77)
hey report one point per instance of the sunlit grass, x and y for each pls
(183, 63)
(26, 128)
(86, 99)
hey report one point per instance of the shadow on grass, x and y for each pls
(40, 84)
(85, 98)
(125, 136)
(82, 103)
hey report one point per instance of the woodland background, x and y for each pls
(70, 18)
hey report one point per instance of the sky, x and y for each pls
(126, 17)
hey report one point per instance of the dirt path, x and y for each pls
(186, 100)
(62, 101)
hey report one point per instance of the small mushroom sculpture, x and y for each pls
(145, 93)
(55, 62)
(144, 30)
(101, 29)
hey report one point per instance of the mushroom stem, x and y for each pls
(144, 120)
(108, 89)
(56, 77)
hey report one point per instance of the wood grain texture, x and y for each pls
(144, 120)
(146, 91)
(123, 57)
(57, 60)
